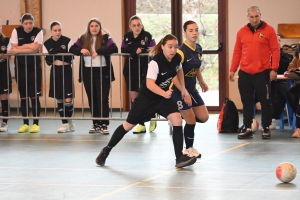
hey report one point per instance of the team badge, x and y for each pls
(32, 38)
(63, 46)
(261, 35)
(126, 39)
(3, 48)
(146, 39)
(143, 42)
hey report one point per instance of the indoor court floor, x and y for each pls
(52, 166)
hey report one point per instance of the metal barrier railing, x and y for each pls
(53, 115)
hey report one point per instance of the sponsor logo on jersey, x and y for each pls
(187, 60)
(143, 42)
(126, 39)
(21, 38)
(192, 73)
(3, 48)
(261, 35)
(32, 38)
(5, 90)
(63, 46)
(163, 73)
(166, 83)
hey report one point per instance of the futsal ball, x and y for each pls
(286, 172)
(255, 125)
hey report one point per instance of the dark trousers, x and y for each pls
(279, 91)
(97, 90)
(248, 85)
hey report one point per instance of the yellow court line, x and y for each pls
(160, 175)
(118, 190)
(225, 151)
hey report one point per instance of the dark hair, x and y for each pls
(54, 23)
(157, 48)
(87, 36)
(135, 17)
(189, 22)
(297, 53)
(26, 16)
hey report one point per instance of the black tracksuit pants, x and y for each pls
(248, 85)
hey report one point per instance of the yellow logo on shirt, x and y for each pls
(192, 73)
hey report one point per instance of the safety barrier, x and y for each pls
(46, 110)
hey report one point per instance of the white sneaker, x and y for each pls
(192, 152)
(72, 126)
(4, 127)
(273, 124)
(64, 128)
(103, 130)
(95, 129)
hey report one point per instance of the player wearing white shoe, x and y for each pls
(5, 79)
(191, 54)
(61, 79)
(155, 97)
(95, 70)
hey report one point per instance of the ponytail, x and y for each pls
(157, 48)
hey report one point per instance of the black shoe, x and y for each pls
(100, 160)
(184, 161)
(245, 134)
(266, 133)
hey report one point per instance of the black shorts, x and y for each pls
(5, 79)
(143, 109)
(195, 96)
(29, 81)
(61, 83)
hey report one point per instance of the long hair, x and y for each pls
(297, 53)
(2, 36)
(157, 48)
(87, 38)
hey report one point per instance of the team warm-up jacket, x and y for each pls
(108, 47)
(130, 45)
(253, 49)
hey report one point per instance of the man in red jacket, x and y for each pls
(255, 44)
